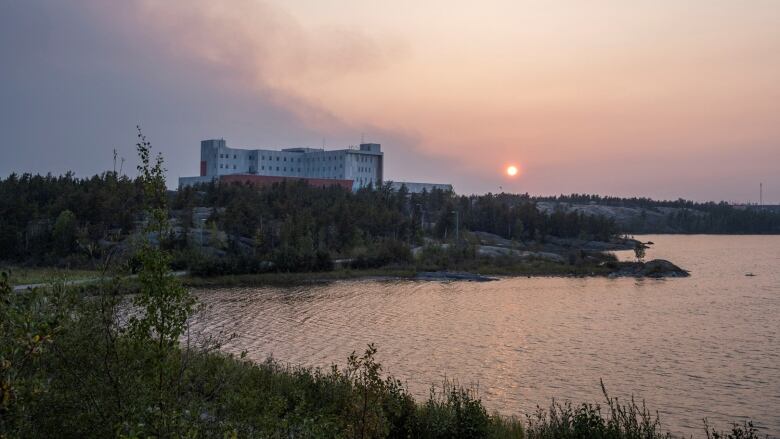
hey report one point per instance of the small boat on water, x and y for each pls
(749, 274)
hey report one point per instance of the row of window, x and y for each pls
(284, 169)
(319, 159)
(328, 168)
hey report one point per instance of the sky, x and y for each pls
(657, 98)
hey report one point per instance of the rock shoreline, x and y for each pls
(449, 275)
(656, 268)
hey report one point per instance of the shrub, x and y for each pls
(628, 421)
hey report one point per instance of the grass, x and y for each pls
(282, 279)
(527, 268)
(39, 275)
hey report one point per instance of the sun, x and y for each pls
(511, 171)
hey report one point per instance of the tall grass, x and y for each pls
(616, 421)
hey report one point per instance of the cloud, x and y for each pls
(452, 97)
(83, 74)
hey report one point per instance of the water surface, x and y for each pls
(707, 345)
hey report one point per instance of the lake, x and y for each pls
(703, 346)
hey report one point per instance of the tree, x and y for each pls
(164, 303)
(639, 251)
(64, 232)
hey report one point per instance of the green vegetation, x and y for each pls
(295, 278)
(76, 223)
(525, 268)
(113, 365)
(75, 366)
(687, 216)
(72, 367)
(38, 275)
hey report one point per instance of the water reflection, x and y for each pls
(700, 346)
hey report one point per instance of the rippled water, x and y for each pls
(703, 346)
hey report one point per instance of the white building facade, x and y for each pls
(363, 165)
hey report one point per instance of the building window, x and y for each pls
(277, 159)
(285, 169)
(277, 168)
(234, 166)
(263, 168)
(234, 156)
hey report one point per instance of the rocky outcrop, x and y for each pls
(495, 251)
(655, 268)
(636, 219)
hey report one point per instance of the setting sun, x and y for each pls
(511, 171)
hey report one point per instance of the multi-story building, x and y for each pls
(362, 166)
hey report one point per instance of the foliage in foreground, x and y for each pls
(77, 367)
(587, 420)
(615, 421)
(70, 371)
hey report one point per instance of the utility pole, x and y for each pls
(114, 160)
(457, 225)
(761, 194)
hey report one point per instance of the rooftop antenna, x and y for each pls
(323, 144)
(761, 194)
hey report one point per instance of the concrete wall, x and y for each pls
(363, 166)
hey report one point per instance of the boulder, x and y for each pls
(662, 268)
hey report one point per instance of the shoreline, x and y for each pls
(389, 274)
(481, 273)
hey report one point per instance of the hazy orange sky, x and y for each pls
(655, 98)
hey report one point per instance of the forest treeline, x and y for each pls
(48, 219)
(75, 363)
(684, 216)
(65, 220)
